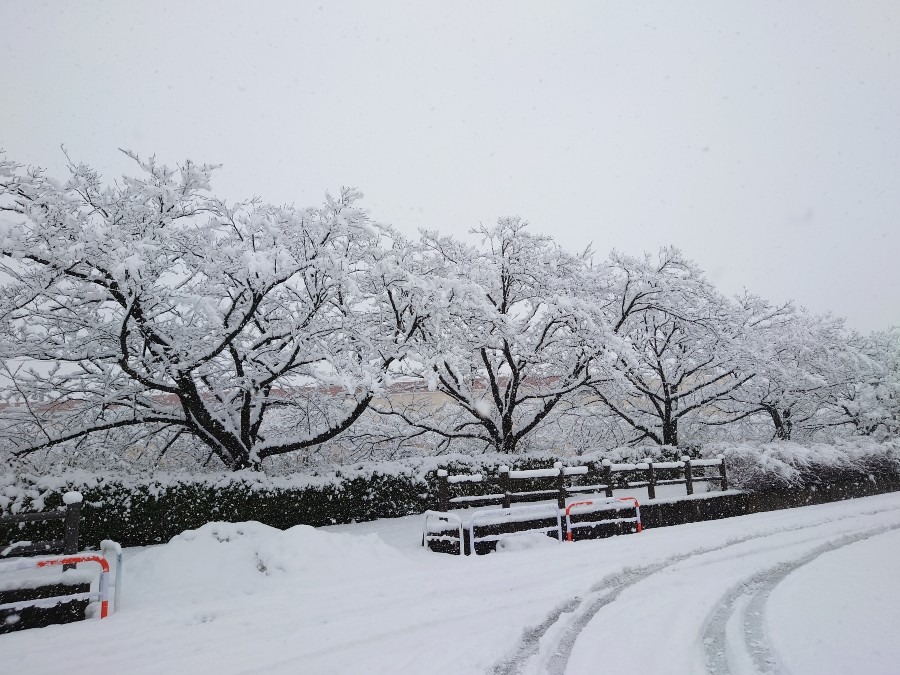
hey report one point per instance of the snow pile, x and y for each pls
(72, 497)
(221, 560)
(524, 542)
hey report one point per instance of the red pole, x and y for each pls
(637, 511)
(104, 575)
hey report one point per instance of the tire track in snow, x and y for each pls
(752, 596)
(570, 618)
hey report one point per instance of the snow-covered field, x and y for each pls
(811, 590)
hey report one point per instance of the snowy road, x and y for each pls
(704, 610)
(797, 591)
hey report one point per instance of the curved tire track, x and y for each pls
(571, 617)
(757, 589)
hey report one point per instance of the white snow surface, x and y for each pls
(72, 497)
(810, 590)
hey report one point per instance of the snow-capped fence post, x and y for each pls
(607, 477)
(688, 477)
(560, 485)
(651, 480)
(722, 472)
(68, 544)
(504, 484)
(443, 490)
(72, 501)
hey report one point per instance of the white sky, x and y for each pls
(761, 138)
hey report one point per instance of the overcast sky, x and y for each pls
(761, 138)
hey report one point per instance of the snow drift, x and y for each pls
(221, 560)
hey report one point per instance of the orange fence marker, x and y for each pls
(103, 594)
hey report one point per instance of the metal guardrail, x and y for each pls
(524, 514)
(610, 505)
(448, 518)
(513, 512)
(66, 560)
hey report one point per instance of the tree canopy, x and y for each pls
(147, 311)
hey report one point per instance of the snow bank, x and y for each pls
(221, 560)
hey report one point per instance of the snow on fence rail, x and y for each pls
(499, 524)
(509, 515)
(606, 504)
(563, 488)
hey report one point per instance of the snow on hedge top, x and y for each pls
(750, 465)
(783, 463)
(229, 560)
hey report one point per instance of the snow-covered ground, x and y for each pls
(810, 590)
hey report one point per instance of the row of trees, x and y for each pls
(149, 314)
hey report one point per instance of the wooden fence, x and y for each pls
(562, 482)
(71, 516)
(41, 610)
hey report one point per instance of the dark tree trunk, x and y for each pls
(508, 445)
(787, 426)
(670, 432)
(244, 462)
(669, 420)
(782, 422)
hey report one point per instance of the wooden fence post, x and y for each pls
(651, 480)
(688, 476)
(560, 485)
(722, 472)
(607, 477)
(443, 490)
(73, 516)
(504, 484)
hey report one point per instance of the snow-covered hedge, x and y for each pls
(151, 509)
(137, 511)
(779, 465)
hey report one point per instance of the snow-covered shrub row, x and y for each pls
(146, 510)
(137, 511)
(778, 465)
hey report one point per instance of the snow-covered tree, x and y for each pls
(798, 359)
(511, 335)
(149, 307)
(868, 399)
(676, 353)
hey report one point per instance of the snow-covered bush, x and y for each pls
(780, 465)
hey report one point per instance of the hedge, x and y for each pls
(138, 511)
